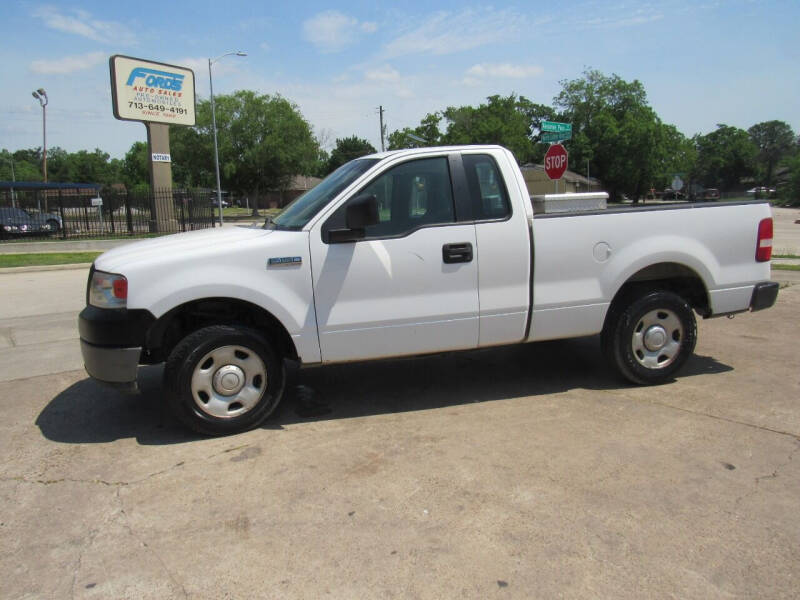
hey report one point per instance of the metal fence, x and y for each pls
(111, 213)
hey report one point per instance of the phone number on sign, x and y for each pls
(161, 107)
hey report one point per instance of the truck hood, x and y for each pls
(170, 248)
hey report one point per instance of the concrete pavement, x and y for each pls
(523, 472)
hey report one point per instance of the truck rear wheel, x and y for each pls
(223, 379)
(650, 337)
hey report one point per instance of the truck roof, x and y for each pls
(429, 149)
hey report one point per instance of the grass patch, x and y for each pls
(235, 211)
(782, 267)
(84, 238)
(786, 256)
(47, 258)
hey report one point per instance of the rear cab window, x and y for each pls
(488, 193)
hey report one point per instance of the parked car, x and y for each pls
(762, 192)
(17, 221)
(670, 194)
(709, 195)
(451, 264)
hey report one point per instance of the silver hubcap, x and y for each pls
(657, 339)
(229, 381)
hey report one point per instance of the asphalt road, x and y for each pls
(523, 472)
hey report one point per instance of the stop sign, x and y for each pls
(555, 161)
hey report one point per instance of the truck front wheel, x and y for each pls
(650, 337)
(223, 379)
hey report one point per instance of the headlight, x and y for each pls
(107, 290)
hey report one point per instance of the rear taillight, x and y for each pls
(764, 243)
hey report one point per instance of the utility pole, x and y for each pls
(380, 112)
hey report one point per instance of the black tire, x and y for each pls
(222, 380)
(54, 228)
(647, 338)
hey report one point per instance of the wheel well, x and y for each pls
(672, 277)
(182, 320)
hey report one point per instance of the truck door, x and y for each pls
(504, 247)
(411, 285)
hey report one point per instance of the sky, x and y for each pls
(701, 63)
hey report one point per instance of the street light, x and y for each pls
(41, 96)
(214, 124)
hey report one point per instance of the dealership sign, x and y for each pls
(143, 90)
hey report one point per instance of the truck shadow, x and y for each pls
(88, 412)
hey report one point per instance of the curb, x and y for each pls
(33, 268)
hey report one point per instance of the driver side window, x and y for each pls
(414, 194)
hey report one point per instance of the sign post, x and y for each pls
(555, 161)
(159, 95)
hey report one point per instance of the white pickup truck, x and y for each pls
(414, 252)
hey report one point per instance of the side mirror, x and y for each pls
(360, 213)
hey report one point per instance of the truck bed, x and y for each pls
(582, 258)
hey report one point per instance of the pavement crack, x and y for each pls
(7, 333)
(786, 463)
(79, 563)
(794, 436)
(129, 528)
(67, 480)
(773, 475)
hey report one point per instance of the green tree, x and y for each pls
(192, 148)
(425, 135)
(509, 121)
(89, 167)
(614, 127)
(347, 149)
(26, 165)
(775, 140)
(136, 166)
(724, 156)
(791, 191)
(264, 141)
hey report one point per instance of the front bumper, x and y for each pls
(112, 342)
(111, 365)
(764, 295)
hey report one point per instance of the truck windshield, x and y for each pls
(301, 210)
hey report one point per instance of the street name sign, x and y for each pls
(550, 136)
(556, 127)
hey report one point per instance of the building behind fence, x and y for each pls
(76, 211)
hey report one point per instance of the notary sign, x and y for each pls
(143, 90)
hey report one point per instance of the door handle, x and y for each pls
(457, 253)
